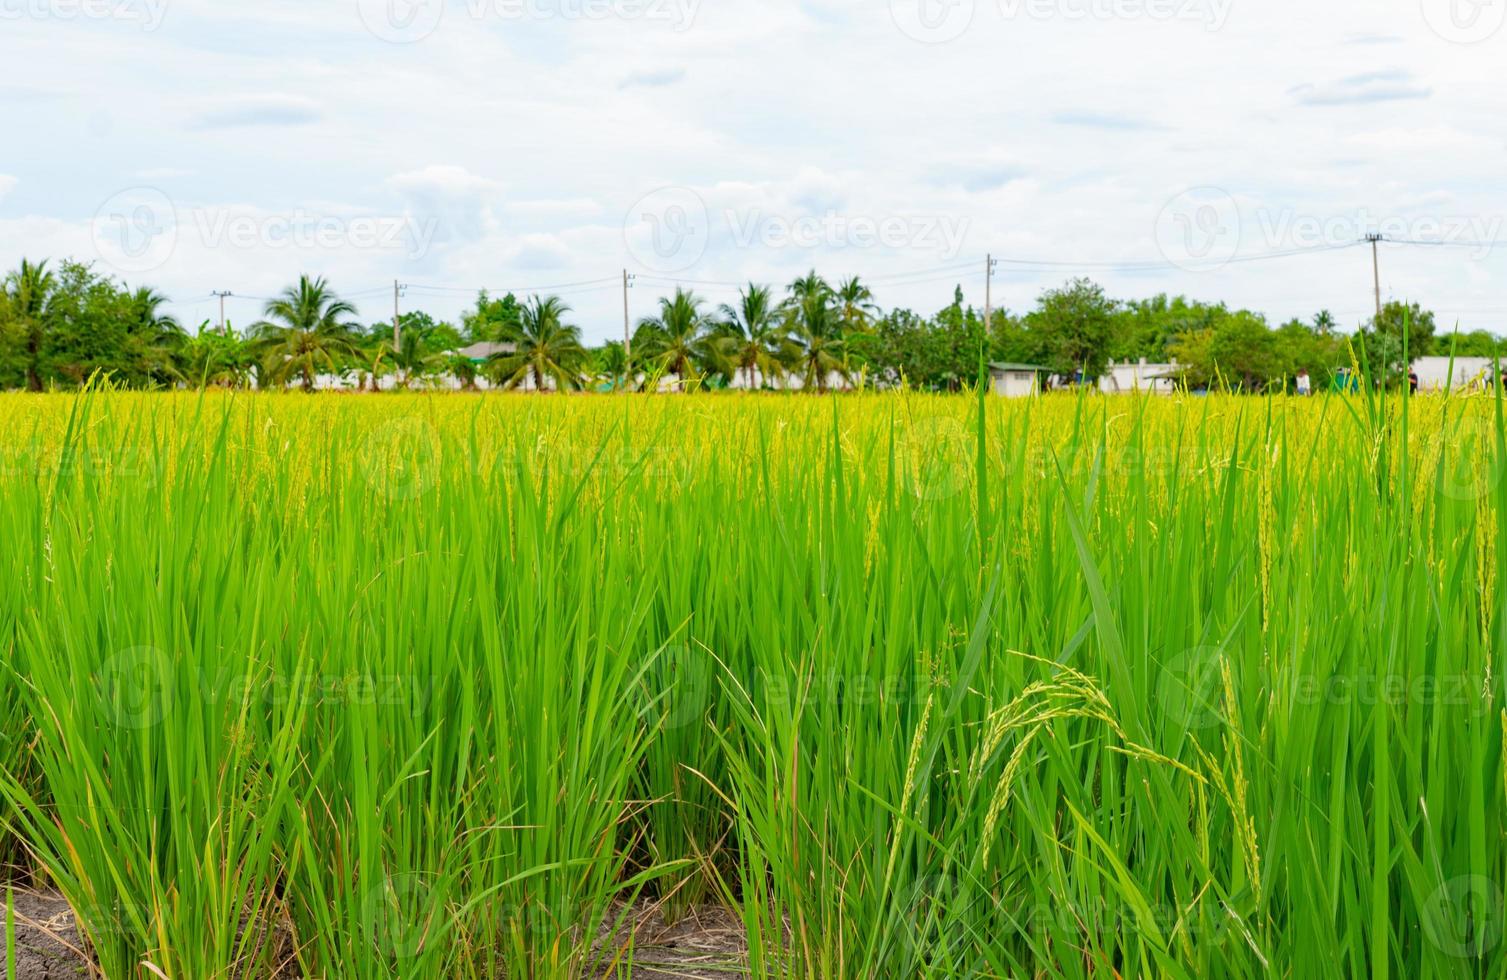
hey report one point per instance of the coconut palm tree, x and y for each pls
(156, 340)
(415, 360)
(855, 306)
(546, 348)
(28, 293)
(373, 361)
(305, 330)
(677, 340)
(819, 349)
(754, 335)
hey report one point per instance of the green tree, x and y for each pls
(955, 343)
(304, 331)
(1477, 343)
(1383, 337)
(29, 292)
(1301, 347)
(492, 320)
(1072, 328)
(1194, 352)
(89, 319)
(609, 363)
(818, 347)
(216, 359)
(677, 340)
(1246, 351)
(155, 341)
(1148, 327)
(855, 306)
(754, 336)
(546, 349)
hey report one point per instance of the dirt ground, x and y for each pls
(707, 945)
(47, 945)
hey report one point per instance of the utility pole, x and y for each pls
(1376, 272)
(397, 329)
(627, 330)
(988, 292)
(222, 296)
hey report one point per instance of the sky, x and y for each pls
(1228, 150)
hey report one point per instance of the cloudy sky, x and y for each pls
(1226, 149)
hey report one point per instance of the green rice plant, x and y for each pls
(442, 686)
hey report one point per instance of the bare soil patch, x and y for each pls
(708, 944)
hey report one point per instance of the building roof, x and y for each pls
(1006, 367)
(485, 350)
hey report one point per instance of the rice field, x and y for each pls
(908, 685)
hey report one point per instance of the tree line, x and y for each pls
(61, 325)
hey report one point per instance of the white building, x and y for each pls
(1015, 380)
(788, 381)
(1434, 372)
(1128, 378)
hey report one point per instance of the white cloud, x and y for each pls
(524, 144)
(258, 110)
(1393, 85)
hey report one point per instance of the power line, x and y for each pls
(1209, 266)
(1444, 244)
(517, 289)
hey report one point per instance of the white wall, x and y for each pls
(1126, 378)
(1015, 384)
(1433, 372)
